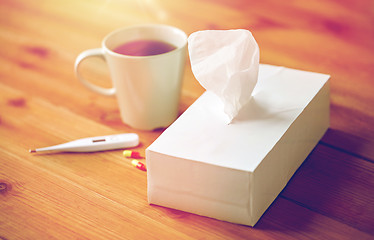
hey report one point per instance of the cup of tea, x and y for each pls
(146, 65)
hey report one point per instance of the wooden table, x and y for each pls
(100, 195)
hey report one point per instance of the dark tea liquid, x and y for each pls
(144, 48)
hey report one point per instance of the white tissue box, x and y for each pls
(202, 165)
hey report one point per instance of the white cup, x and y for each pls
(147, 87)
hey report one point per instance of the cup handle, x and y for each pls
(96, 52)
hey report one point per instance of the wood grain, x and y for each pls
(100, 195)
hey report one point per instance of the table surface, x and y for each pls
(100, 195)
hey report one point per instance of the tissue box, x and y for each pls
(233, 172)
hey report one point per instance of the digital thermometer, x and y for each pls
(95, 144)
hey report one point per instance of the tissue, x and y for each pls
(226, 62)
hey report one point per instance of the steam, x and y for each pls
(154, 9)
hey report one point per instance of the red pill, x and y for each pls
(138, 165)
(131, 154)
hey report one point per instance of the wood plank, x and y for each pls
(340, 40)
(101, 196)
(39, 201)
(37, 74)
(61, 209)
(337, 185)
(292, 221)
(41, 195)
(351, 144)
(109, 177)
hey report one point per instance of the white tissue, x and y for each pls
(225, 62)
